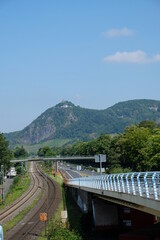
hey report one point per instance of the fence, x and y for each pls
(144, 184)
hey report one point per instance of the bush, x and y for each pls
(115, 170)
(16, 180)
(61, 233)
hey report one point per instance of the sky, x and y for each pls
(94, 53)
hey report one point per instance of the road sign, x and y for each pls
(43, 217)
(100, 158)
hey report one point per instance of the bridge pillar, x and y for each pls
(82, 198)
(105, 214)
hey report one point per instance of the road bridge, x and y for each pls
(56, 159)
(139, 190)
(38, 159)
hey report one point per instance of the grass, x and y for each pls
(13, 222)
(56, 218)
(56, 230)
(79, 221)
(18, 187)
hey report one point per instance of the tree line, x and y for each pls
(6, 154)
(136, 149)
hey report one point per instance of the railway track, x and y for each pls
(30, 227)
(35, 187)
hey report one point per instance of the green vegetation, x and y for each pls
(19, 186)
(46, 152)
(12, 223)
(33, 148)
(5, 154)
(67, 121)
(60, 233)
(137, 149)
(20, 152)
(56, 230)
(78, 221)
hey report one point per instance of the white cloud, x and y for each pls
(118, 32)
(156, 58)
(138, 57)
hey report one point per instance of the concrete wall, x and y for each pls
(105, 214)
(147, 205)
(82, 198)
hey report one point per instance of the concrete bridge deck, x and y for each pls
(136, 190)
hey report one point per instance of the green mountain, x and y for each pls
(67, 121)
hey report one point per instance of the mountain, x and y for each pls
(67, 121)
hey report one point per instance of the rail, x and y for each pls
(143, 184)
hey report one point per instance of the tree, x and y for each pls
(46, 152)
(5, 153)
(103, 144)
(133, 144)
(113, 156)
(154, 149)
(20, 152)
(148, 124)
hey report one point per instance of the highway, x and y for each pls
(70, 171)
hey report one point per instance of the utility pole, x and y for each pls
(22, 169)
(2, 178)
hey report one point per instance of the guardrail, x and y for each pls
(143, 184)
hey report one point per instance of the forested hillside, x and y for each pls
(67, 121)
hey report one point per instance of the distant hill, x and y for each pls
(67, 121)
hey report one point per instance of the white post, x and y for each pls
(100, 164)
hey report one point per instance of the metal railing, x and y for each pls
(143, 184)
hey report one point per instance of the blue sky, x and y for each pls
(92, 53)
